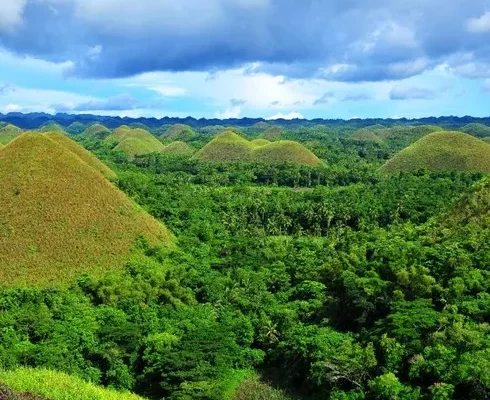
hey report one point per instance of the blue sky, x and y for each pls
(246, 58)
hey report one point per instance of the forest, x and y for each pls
(342, 280)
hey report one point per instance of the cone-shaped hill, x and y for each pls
(75, 128)
(442, 151)
(272, 133)
(260, 142)
(9, 132)
(51, 127)
(228, 146)
(366, 135)
(180, 132)
(82, 153)
(478, 130)
(177, 148)
(286, 151)
(97, 131)
(134, 142)
(60, 217)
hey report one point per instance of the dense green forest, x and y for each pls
(286, 281)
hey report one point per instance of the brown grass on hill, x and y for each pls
(134, 142)
(84, 154)
(286, 151)
(60, 217)
(227, 146)
(96, 131)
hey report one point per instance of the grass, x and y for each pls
(9, 132)
(51, 127)
(260, 142)
(83, 154)
(402, 136)
(366, 135)
(442, 151)
(487, 139)
(286, 151)
(179, 132)
(177, 148)
(97, 131)
(272, 133)
(134, 142)
(478, 130)
(251, 388)
(75, 128)
(61, 218)
(229, 146)
(58, 386)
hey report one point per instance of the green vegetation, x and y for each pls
(179, 132)
(58, 386)
(401, 136)
(366, 135)
(229, 146)
(9, 132)
(286, 151)
(272, 133)
(76, 128)
(442, 151)
(52, 127)
(60, 217)
(478, 130)
(177, 148)
(83, 154)
(487, 139)
(96, 131)
(134, 142)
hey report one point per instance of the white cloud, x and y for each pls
(10, 108)
(291, 115)
(232, 112)
(11, 12)
(479, 25)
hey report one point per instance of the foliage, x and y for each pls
(177, 148)
(8, 133)
(96, 131)
(476, 129)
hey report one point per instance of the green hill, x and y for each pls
(82, 153)
(487, 139)
(478, 130)
(76, 128)
(134, 142)
(51, 127)
(286, 151)
(442, 151)
(177, 148)
(272, 133)
(31, 384)
(180, 132)
(401, 136)
(9, 132)
(260, 142)
(96, 131)
(366, 135)
(227, 146)
(60, 217)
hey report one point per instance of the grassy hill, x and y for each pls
(227, 146)
(82, 153)
(366, 135)
(478, 130)
(487, 139)
(286, 151)
(51, 127)
(60, 217)
(134, 142)
(97, 131)
(9, 132)
(442, 151)
(177, 148)
(260, 142)
(272, 133)
(30, 384)
(76, 128)
(399, 137)
(180, 132)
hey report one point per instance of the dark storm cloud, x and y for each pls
(339, 40)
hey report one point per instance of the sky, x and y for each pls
(246, 58)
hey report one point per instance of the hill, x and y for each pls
(272, 133)
(487, 139)
(399, 137)
(286, 151)
(51, 127)
(75, 128)
(227, 146)
(82, 153)
(478, 130)
(54, 386)
(366, 135)
(180, 132)
(442, 151)
(97, 131)
(177, 148)
(9, 132)
(134, 142)
(260, 142)
(60, 217)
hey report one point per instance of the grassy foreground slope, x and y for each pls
(60, 217)
(442, 151)
(82, 153)
(9, 132)
(57, 386)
